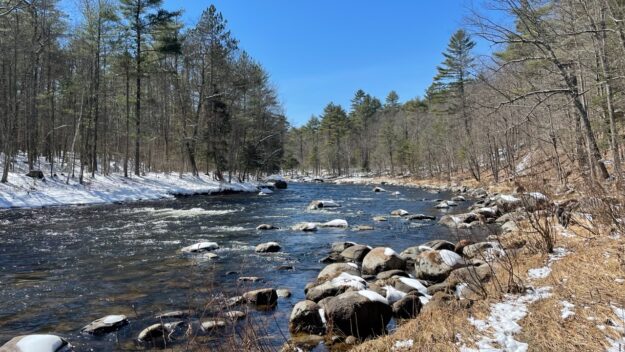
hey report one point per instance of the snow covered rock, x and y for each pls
(106, 324)
(487, 212)
(379, 189)
(483, 250)
(159, 332)
(336, 223)
(262, 297)
(213, 324)
(458, 220)
(399, 212)
(436, 265)
(507, 202)
(305, 226)
(458, 199)
(305, 318)
(439, 244)
(338, 247)
(381, 259)
(320, 204)
(333, 270)
(264, 191)
(361, 314)
(269, 247)
(283, 293)
(200, 247)
(36, 343)
(379, 218)
(442, 205)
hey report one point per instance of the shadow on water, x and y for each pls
(64, 267)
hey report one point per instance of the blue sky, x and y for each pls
(324, 50)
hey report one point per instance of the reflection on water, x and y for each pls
(61, 268)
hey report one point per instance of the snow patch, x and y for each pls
(346, 279)
(389, 252)
(450, 258)
(414, 283)
(403, 344)
(373, 296)
(567, 309)
(539, 273)
(393, 295)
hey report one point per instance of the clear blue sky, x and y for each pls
(318, 51)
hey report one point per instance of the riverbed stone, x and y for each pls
(158, 332)
(378, 189)
(324, 290)
(213, 324)
(200, 247)
(333, 270)
(268, 247)
(234, 315)
(283, 293)
(305, 226)
(338, 247)
(391, 273)
(264, 227)
(106, 324)
(339, 223)
(458, 220)
(418, 217)
(381, 259)
(250, 279)
(399, 212)
(364, 228)
(262, 297)
(305, 318)
(355, 253)
(38, 343)
(380, 218)
(320, 204)
(176, 314)
(440, 244)
(361, 314)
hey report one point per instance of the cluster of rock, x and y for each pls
(505, 209)
(363, 288)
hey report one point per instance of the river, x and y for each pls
(63, 267)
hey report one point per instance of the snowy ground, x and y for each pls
(22, 191)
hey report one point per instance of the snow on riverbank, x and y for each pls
(25, 192)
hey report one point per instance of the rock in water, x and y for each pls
(417, 217)
(269, 247)
(379, 218)
(36, 343)
(262, 227)
(106, 324)
(379, 189)
(361, 314)
(355, 253)
(283, 293)
(381, 259)
(200, 247)
(213, 324)
(333, 270)
(320, 204)
(158, 332)
(336, 223)
(262, 297)
(399, 212)
(280, 184)
(305, 226)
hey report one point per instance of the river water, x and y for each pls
(61, 268)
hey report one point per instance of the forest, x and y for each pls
(123, 86)
(553, 86)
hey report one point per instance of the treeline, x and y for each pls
(129, 89)
(553, 86)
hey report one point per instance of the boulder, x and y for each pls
(534, 201)
(338, 247)
(381, 259)
(333, 270)
(213, 324)
(106, 324)
(283, 293)
(509, 226)
(336, 223)
(379, 218)
(488, 212)
(269, 247)
(305, 318)
(407, 307)
(411, 254)
(234, 315)
(436, 265)
(507, 202)
(407, 284)
(379, 189)
(439, 244)
(513, 216)
(325, 290)
(457, 220)
(320, 204)
(305, 226)
(36, 343)
(417, 217)
(262, 297)
(200, 247)
(262, 227)
(442, 205)
(38, 174)
(473, 275)
(355, 253)
(361, 314)
(458, 199)
(280, 184)
(234, 301)
(399, 212)
(391, 273)
(483, 250)
(158, 332)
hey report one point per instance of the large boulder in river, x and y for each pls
(106, 324)
(333, 270)
(200, 247)
(305, 226)
(381, 259)
(320, 204)
(268, 247)
(355, 253)
(262, 297)
(36, 343)
(436, 265)
(361, 314)
(305, 318)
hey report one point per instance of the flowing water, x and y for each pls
(61, 268)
